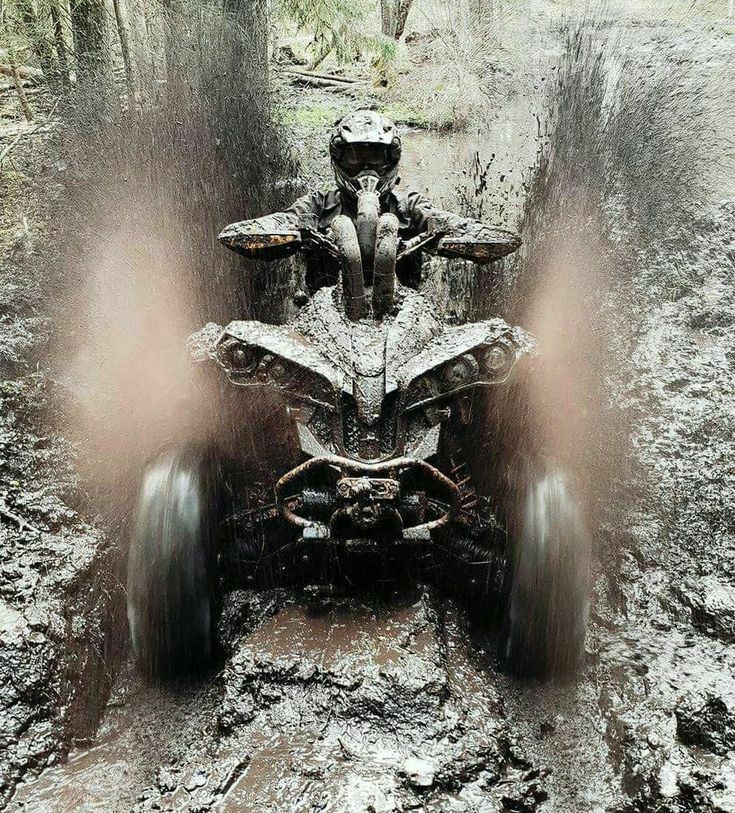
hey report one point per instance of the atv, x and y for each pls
(413, 455)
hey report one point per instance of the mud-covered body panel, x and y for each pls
(356, 386)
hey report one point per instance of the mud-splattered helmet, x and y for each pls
(365, 144)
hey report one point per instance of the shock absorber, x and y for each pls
(462, 478)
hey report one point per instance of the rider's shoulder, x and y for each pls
(323, 200)
(315, 202)
(312, 196)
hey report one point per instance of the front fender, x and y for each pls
(254, 354)
(461, 357)
(264, 238)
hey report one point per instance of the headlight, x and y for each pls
(497, 360)
(424, 388)
(279, 373)
(459, 372)
(234, 356)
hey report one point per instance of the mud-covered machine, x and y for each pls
(411, 450)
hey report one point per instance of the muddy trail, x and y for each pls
(359, 703)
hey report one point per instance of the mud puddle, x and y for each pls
(336, 706)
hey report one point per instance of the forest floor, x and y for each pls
(361, 703)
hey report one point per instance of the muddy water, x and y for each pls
(338, 706)
(143, 728)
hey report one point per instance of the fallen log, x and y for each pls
(328, 76)
(333, 88)
(24, 71)
(316, 81)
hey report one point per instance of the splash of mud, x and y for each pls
(121, 264)
(146, 191)
(633, 151)
(627, 156)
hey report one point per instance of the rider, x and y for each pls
(365, 150)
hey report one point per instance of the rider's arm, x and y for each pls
(458, 236)
(276, 235)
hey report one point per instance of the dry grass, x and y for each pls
(455, 61)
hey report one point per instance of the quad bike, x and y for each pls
(414, 455)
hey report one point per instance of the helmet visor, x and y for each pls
(356, 158)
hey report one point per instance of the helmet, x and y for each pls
(365, 145)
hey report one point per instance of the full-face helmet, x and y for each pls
(365, 145)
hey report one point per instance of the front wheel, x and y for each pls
(173, 592)
(549, 602)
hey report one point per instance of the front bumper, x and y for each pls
(334, 497)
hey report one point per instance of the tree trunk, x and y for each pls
(252, 17)
(39, 43)
(122, 31)
(387, 17)
(401, 18)
(89, 26)
(27, 112)
(59, 42)
(253, 10)
(393, 16)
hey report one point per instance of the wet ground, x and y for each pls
(59, 575)
(362, 704)
(335, 706)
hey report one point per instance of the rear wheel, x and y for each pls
(173, 585)
(549, 603)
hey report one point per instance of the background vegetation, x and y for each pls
(437, 63)
(431, 62)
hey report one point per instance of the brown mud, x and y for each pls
(362, 704)
(334, 706)
(60, 592)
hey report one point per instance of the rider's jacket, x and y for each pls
(317, 210)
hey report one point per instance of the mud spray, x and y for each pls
(633, 151)
(147, 190)
(627, 158)
(624, 161)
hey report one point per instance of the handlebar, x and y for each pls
(492, 244)
(317, 241)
